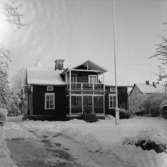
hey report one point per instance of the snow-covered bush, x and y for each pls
(14, 106)
(152, 104)
(136, 106)
(148, 140)
(16, 100)
(3, 115)
(4, 87)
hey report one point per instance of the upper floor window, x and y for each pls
(112, 101)
(74, 78)
(112, 89)
(92, 79)
(50, 88)
(49, 101)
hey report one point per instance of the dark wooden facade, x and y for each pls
(36, 105)
(122, 98)
(36, 102)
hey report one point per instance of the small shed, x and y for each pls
(140, 92)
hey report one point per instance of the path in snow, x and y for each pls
(86, 143)
(29, 147)
(85, 157)
(81, 154)
(33, 153)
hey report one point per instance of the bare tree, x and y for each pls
(161, 54)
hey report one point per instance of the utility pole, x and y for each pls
(115, 63)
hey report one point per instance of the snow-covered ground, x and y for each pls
(102, 139)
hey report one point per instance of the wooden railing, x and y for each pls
(87, 86)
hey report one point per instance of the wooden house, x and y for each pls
(71, 92)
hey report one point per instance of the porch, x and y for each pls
(81, 104)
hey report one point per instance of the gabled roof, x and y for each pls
(43, 77)
(89, 65)
(148, 89)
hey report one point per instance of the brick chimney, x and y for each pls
(59, 64)
(154, 84)
(147, 82)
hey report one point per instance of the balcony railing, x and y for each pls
(87, 86)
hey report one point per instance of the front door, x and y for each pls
(98, 104)
(87, 104)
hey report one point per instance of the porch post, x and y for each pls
(93, 104)
(93, 109)
(104, 95)
(31, 100)
(103, 84)
(104, 104)
(70, 91)
(66, 77)
(82, 96)
(82, 102)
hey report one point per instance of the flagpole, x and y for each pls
(115, 64)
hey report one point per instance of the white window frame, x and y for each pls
(74, 77)
(50, 88)
(109, 99)
(53, 97)
(112, 89)
(89, 79)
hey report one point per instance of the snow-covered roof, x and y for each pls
(89, 65)
(44, 77)
(163, 103)
(109, 80)
(145, 88)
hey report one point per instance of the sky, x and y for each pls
(78, 30)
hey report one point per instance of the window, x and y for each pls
(74, 78)
(98, 104)
(76, 100)
(76, 104)
(92, 78)
(49, 101)
(112, 89)
(112, 101)
(49, 88)
(87, 104)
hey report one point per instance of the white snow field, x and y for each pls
(103, 141)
